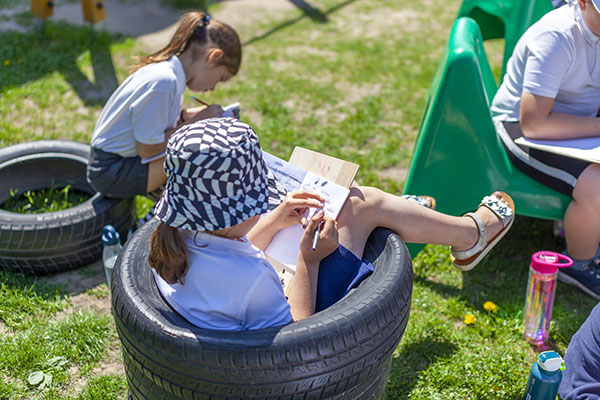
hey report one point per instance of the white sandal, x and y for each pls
(425, 201)
(504, 208)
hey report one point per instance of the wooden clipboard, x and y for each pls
(334, 169)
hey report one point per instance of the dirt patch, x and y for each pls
(112, 362)
(378, 22)
(80, 280)
(397, 174)
(244, 15)
(354, 93)
(312, 51)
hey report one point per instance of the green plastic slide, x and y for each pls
(457, 156)
(506, 19)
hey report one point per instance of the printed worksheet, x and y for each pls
(285, 244)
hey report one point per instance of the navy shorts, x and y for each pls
(339, 272)
(116, 176)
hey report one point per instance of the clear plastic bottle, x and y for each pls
(112, 246)
(539, 297)
(544, 377)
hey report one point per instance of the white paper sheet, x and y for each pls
(585, 149)
(285, 244)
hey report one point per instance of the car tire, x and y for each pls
(56, 241)
(342, 352)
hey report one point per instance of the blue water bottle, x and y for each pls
(112, 247)
(544, 377)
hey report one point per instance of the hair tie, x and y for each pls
(205, 20)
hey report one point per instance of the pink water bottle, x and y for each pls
(540, 294)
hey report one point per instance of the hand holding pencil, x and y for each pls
(320, 238)
(190, 115)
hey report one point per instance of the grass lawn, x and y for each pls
(346, 77)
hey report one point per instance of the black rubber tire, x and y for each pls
(58, 241)
(341, 352)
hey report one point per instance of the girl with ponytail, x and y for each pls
(132, 131)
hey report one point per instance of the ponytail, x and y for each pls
(168, 254)
(197, 27)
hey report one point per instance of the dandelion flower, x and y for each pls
(470, 319)
(490, 306)
(7, 62)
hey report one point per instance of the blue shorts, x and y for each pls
(338, 273)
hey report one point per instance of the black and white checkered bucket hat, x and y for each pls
(216, 177)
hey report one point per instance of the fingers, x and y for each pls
(304, 203)
(303, 194)
(302, 200)
(314, 222)
(329, 227)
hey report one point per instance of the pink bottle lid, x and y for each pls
(548, 262)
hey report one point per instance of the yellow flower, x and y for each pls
(7, 62)
(470, 319)
(490, 306)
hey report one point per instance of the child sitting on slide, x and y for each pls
(551, 90)
(207, 252)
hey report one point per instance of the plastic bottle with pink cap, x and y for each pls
(539, 298)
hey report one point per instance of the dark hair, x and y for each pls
(168, 254)
(197, 27)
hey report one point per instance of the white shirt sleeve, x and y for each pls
(266, 305)
(150, 116)
(547, 64)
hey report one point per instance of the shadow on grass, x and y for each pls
(29, 56)
(414, 358)
(309, 11)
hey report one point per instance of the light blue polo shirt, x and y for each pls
(229, 286)
(557, 57)
(146, 104)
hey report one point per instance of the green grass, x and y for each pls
(44, 200)
(345, 77)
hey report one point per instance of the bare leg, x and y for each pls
(368, 208)
(156, 174)
(582, 219)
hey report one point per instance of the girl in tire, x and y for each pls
(133, 129)
(207, 252)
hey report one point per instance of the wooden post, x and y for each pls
(42, 8)
(93, 10)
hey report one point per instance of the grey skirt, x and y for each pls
(116, 176)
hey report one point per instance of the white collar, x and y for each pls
(587, 33)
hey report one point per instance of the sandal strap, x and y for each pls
(481, 242)
(499, 207)
(417, 199)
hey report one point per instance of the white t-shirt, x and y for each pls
(146, 104)
(229, 286)
(557, 57)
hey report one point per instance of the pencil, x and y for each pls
(200, 101)
(316, 237)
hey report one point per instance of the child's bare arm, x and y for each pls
(539, 122)
(302, 295)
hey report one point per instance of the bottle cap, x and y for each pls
(110, 236)
(548, 262)
(550, 361)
